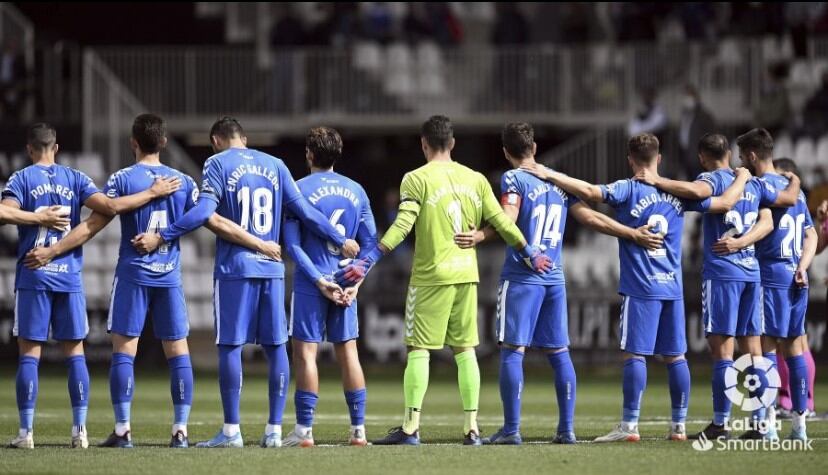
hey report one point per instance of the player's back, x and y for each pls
(449, 196)
(648, 274)
(160, 268)
(741, 265)
(780, 251)
(34, 188)
(248, 185)
(342, 200)
(541, 219)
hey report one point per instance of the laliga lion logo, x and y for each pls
(752, 382)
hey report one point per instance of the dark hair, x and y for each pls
(149, 131)
(714, 146)
(786, 165)
(226, 128)
(438, 132)
(518, 138)
(643, 148)
(326, 146)
(41, 136)
(758, 141)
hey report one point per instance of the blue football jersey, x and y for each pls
(346, 205)
(740, 266)
(160, 268)
(650, 274)
(780, 251)
(250, 187)
(541, 219)
(36, 187)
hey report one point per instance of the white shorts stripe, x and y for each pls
(111, 304)
(217, 309)
(706, 304)
(501, 307)
(15, 327)
(625, 308)
(290, 320)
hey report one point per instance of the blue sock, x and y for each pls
(678, 375)
(635, 381)
(798, 376)
(356, 405)
(26, 384)
(721, 404)
(565, 386)
(78, 388)
(230, 381)
(278, 380)
(121, 385)
(181, 387)
(305, 402)
(511, 385)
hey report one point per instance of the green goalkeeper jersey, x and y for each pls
(447, 197)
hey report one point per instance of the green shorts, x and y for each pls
(441, 315)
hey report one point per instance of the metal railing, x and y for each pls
(373, 86)
(109, 108)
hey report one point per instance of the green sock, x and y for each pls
(468, 379)
(415, 383)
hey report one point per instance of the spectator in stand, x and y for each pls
(695, 122)
(774, 112)
(697, 20)
(378, 22)
(12, 81)
(650, 117)
(815, 113)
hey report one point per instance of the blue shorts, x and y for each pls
(732, 308)
(35, 311)
(250, 311)
(130, 303)
(314, 318)
(532, 315)
(784, 311)
(653, 327)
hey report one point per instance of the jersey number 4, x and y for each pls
(42, 232)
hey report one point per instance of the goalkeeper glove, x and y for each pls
(535, 259)
(354, 270)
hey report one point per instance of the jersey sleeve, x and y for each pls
(212, 186)
(192, 193)
(14, 189)
(617, 193)
(509, 189)
(699, 206)
(411, 194)
(290, 190)
(767, 192)
(366, 235)
(572, 200)
(711, 180)
(86, 187)
(494, 215)
(112, 187)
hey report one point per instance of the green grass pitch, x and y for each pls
(598, 409)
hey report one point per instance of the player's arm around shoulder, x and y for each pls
(728, 199)
(103, 204)
(789, 196)
(699, 189)
(602, 223)
(582, 189)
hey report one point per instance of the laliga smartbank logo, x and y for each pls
(752, 383)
